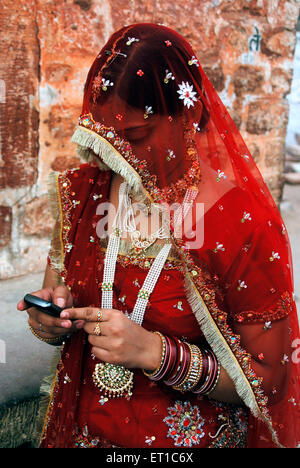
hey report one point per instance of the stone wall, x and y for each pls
(246, 47)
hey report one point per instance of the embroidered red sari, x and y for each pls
(150, 114)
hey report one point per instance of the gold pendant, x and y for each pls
(113, 380)
(140, 244)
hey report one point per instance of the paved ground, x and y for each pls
(27, 359)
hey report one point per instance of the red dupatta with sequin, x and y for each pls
(151, 114)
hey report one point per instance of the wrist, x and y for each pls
(153, 353)
(47, 337)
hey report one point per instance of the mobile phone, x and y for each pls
(42, 305)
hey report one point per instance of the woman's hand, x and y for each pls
(45, 325)
(122, 341)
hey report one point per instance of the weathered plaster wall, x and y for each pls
(246, 47)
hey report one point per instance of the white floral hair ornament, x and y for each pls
(187, 94)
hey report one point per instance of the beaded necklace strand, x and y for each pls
(112, 379)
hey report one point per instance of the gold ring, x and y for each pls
(99, 315)
(97, 329)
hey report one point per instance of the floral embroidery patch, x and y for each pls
(149, 439)
(187, 94)
(148, 111)
(168, 76)
(241, 285)
(130, 40)
(171, 155)
(246, 216)
(105, 84)
(275, 255)
(185, 424)
(178, 305)
(218, 247)
(220, 175)
(67, 379)
(85, 440)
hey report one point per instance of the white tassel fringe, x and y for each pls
(88, 141)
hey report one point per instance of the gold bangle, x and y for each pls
(58, 339)
(194, 372)
(163, 352)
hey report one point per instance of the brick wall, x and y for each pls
(246, 47)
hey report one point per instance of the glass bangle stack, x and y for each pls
(185, 367)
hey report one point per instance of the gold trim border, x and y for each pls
(110, 156)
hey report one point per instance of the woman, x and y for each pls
(180, 334)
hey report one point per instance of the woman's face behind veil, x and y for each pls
(153, 137)
(145, 88)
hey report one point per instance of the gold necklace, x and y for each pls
(140, 243)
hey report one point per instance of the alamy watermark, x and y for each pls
(166, 220)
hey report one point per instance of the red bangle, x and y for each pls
(208, 380)
(214, 374)
(210, 375)
(171, 365)
(179, 365)
(185, 366)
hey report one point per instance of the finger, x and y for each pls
(100, 342)
(62, 297)
(45, 294)
(38, 328)
(88, 314)
(102, 354)
(90, 328)
(41, 328)
(61, 330)
(47, 320)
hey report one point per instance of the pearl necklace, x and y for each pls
(115, 380)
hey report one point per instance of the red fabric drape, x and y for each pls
(151, 114)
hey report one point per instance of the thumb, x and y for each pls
(61, 296)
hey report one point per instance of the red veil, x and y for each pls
(151, 114)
